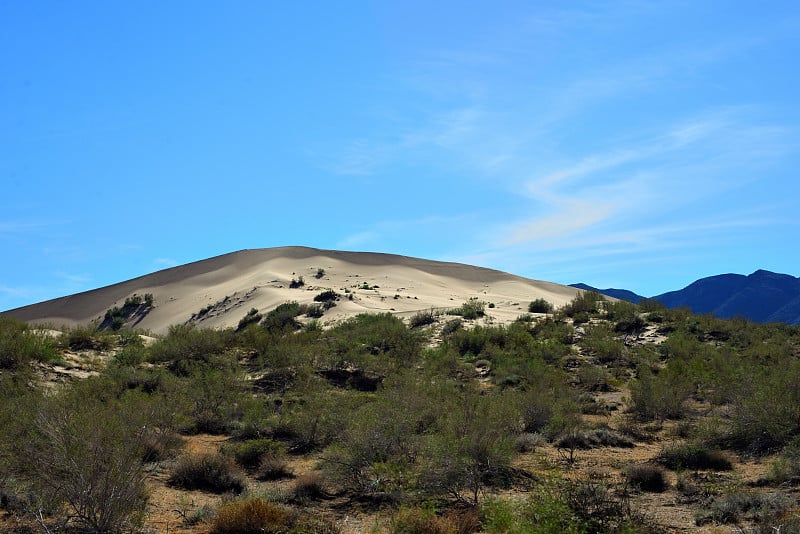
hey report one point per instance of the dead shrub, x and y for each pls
(252, 516)
(647, 477)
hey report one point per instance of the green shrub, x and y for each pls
(252, 317)
(296, 283)
(283, 317)
(422, 318)
(249, 453)
(452, 326)
(210, 472)
(71, 464)
(320, 273)
(329, 295)
(472, 309)
(694, 456)
(540, 306)
(19, 344)
(646, 477)
(85, 337)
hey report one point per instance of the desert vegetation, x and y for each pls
(430, 424)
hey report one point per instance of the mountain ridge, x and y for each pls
(762, 296)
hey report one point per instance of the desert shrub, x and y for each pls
(527, 441)
(694, 456)
(540, 306)
(308, 487)
(422, 318)
(210, 472)
(766, 411)
(546, 511)
(283, 317)
(419, 521)
(83, 337)
(315, 311)
(591, 438)
(252, 516)
(473, 449)
(248, 453)
(212, 398)
(754, 506)
(587, 302)
(186, 343)
(273, 466)
(320, 273)
(130, 356)
(329, 295)
(252, 317)
(472, 309)
(451, 326)
(19, 344)
(296, 283)
(647, 477)
(787, 467)
(581, 317)
(661, 396)
(594, 378)
(66, 461)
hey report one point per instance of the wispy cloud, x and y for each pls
(165, 263)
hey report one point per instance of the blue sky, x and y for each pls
(624, 144)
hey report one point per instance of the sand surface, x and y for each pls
(234, 283)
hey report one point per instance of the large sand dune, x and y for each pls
(234, 283)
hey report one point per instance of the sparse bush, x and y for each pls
(422, 318)
(733, 507)
(451, 326)
(249, 453)
(252, 317)
(472, 309)
(308, 487)
(315, 311)
(694, 456)
(540, 306)
(252, 516)
(647, 477)
(19, 344)
(297, 283)
(209, 472)
(320, 273)
(418, 521)
(527, 442)
(67, 462)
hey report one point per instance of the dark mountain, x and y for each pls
(763, 296)
(622, 294)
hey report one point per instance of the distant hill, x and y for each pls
(220, 291)
(622, 294)
(762, 296)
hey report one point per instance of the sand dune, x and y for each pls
(234, 283)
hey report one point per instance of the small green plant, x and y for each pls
(320, 273)
(297, 283)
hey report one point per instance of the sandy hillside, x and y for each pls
(228, 286)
